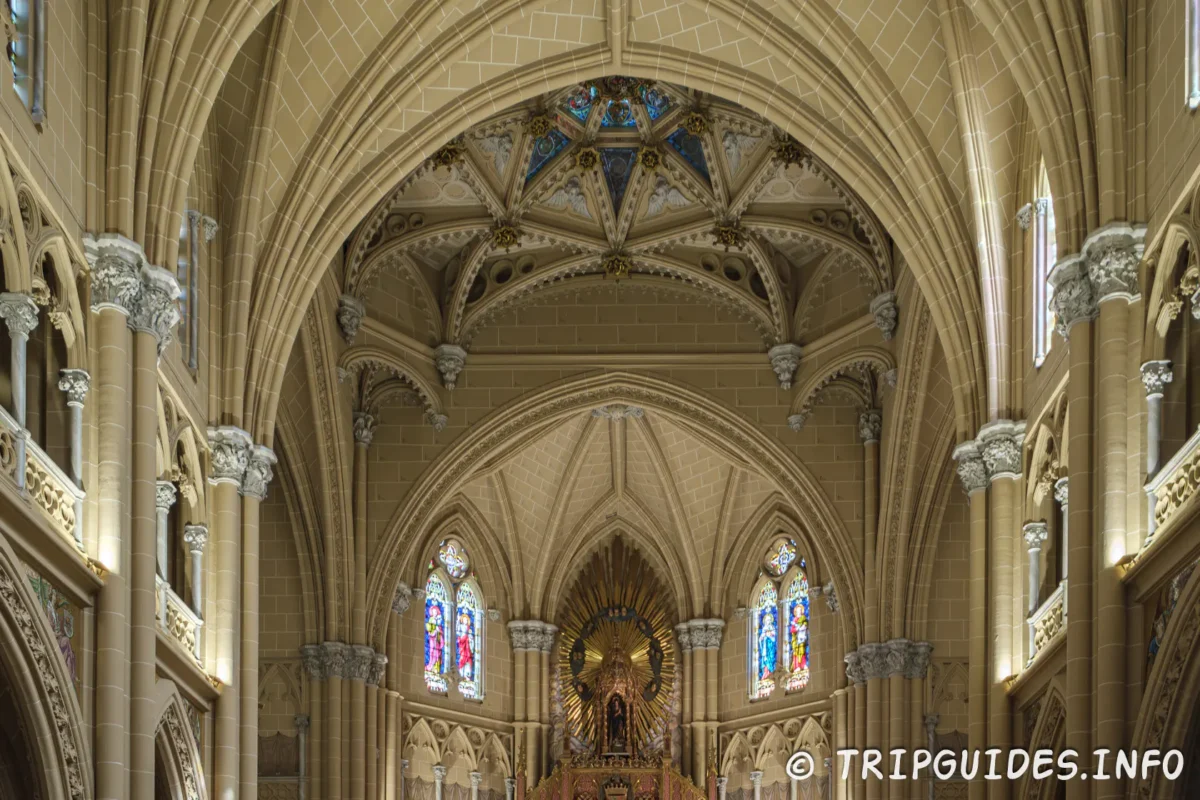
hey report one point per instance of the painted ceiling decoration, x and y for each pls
(622, 179)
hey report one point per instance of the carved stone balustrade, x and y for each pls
(1049, 620)
(42, 483)
(177, 619)
(1173, 491)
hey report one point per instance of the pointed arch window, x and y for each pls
(795, 627)
(454, 615)
(1192, 55)
(1045, 253)
(765, 641)
(27, 54)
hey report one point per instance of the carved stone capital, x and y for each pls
(785, 360)
(302, 721)
(364, 427)
(337, 657)
(209, 227)
(831, 598)
(116, 264)
(525, 634)
(402, 599)
(1061, 492)
(1000, 445)
(359, 663)
(971, 469)
(1074, 298)
(1113, 253)
(435, 420)
(706, 633)
(1035, 534)
(1155, 377)
(756, 778)
(545, 637)
(312, 656)
(854, 668)
(796, 421)
(378, 665)
(917, 666)
(683, 635)
(886, 313)
(350, 315)
(259, 472)
(439, 773)
(873, 657)
(195, 537)
(1025, 216)
(476, 779)
(230, 449)
(75, 382)
(164, 495)
(155, 308)
(20, 312)
(450, 360)
(870, 425)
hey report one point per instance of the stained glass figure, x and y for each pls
(619, 115)
(765, 642)
(779, 557)
(579, 102)
(691, 149)
(454, 558)
(467, 638)
(617, 163)
(795, 611)
(437, 612)
(657, 101)
(545, 148)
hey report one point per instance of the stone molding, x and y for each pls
(1000, 445)
(76, 383)
(1155, 377)
(972, 472)
(450, 360)
(879, 660)
(785, 360)
(617, 411)
(20, 312)
(532, 634)
(883, 308)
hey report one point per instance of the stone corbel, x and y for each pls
(886, 313)
(785, 360)
(450, 360)
(350, 315)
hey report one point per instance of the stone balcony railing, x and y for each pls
(42, 482)
(176, 619)
(1173, 490)
(1049, 620)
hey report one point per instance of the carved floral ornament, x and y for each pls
(1105, 269)
(122, 279)
(881, 660)
(236, 459)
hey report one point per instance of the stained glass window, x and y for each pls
(467, 642)
(692, 150)
(454, 558)
(1045, 253)
(657, 101)
(437, 612)
(795, 612)
(617, 163)
(764, 644)
(780, 556)
(545, 148)
(579, 102)
(619, 115)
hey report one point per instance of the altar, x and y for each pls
(606, 778)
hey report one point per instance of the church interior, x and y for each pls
(579, 400)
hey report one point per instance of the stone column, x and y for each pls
(439, 779)
(917, 668)
(476, 779)
(115, 263)
(196, 537)
(358, 670)
(527, 638)
(547, 647)
(756, 781)
(1000, 445)
(931, 722)
(518, 631)
(152, 319)
(1155, 376)
(510, 786)
(722, 787)
(259, 472)
(75, 383)
(1035, 533)
(700, 642)
(400, 604)
(1074, 304)
(302, 722)
(1112, 255)
(899, 653)
(1061, 494)
(313, 658)
(857, 675)
(336, 657)
(870, 427)
(230, 457)
(164, 498)
(840, 709)
(20, 313)
(374, 678)
(683, 634)
(364, 432)
(973, 473)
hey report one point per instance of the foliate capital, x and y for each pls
(1155, 377)
(116, 264)
(870, 425)
(525, 634)
(873, 658)
(476, 779)
(785, 360)
(683, 634)
(313, 658)
(302, 722)
(155, 309)
(359, 663)
(439, 773)
(831, 598)
(450, 359)
(364, 427)
(75, 382)
(336, 658)
(1025, 216)
(796, 421)
(971, 469)
(706, 633)
(1061, 490)
(886, 313)
(210, 228)
(350, 315)
(854, 668)
(164, 495)
(259, 472)
(1113, 253)
(1035, 534)
(378, 665)
(1074, 298)
(230, 449)
(1000, 444)
(917, 665)
(195, 537)
(20, 312)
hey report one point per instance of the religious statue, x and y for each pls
(617, 725)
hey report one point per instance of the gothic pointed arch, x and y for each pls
(176, 747)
